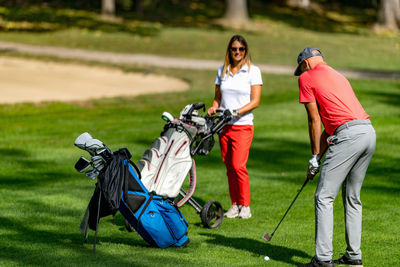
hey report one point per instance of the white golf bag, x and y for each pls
(166, 164)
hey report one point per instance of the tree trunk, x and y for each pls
(303, 4)
(108, 8)
(138, 7)
(236, 12)
(389, 15)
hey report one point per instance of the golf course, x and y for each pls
(43, 198)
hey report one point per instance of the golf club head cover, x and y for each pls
(167, 116)
(81, 140)
(186, 111)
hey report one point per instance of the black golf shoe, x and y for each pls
(316, 263)
(345, 261)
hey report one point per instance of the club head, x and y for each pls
(94, 146)
(266, 237)
(82, 164)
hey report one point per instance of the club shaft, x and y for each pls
(305, 182)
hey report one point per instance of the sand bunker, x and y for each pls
(23, 80)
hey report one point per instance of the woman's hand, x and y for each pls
(212, 111)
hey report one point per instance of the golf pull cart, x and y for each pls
(211, 213)
(164, 167)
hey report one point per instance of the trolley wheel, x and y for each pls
(212, 214)
(128, 226)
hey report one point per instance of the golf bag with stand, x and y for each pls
(147, 194)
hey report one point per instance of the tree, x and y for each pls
(389, 15)
(236, 14)
(108, 8)
(138, 7)
(304, 4)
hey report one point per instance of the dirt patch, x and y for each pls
(23, 80)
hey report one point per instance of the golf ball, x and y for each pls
(266, 258)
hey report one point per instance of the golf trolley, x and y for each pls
(164, 167)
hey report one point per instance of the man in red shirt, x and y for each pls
(349, 140)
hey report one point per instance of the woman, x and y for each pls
(237, 88)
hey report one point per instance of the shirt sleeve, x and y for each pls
(219, 75)
(255, 76)
(306, 91)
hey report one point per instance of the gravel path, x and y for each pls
(168, 62)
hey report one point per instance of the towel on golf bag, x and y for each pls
(157, 220)
(165, 165)
(107, 194)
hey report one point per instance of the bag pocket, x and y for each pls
(154, 224)
(134, 202)
(173, 218)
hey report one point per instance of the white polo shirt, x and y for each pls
(236, 90)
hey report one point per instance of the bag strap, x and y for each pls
(192, 185)
(97, 223)
(136, 169)
(151, 194)
(126, 171)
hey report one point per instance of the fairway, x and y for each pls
(43, 198)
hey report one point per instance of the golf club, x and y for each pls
(268, 237)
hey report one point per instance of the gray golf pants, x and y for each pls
(345, 164)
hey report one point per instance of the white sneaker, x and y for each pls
(233, 212)
(245, 212)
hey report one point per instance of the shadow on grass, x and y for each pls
(271, 155)
(391, 98)
(28, 172)
(259, 248)
(23, 239)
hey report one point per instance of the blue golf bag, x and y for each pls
(119, 188)
(157, 220)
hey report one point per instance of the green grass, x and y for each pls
(42, 197)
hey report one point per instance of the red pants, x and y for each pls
(235, 141)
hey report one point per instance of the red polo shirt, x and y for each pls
(337, 103)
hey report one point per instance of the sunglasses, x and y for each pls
(241, 49)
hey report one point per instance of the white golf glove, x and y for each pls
(314, 165)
